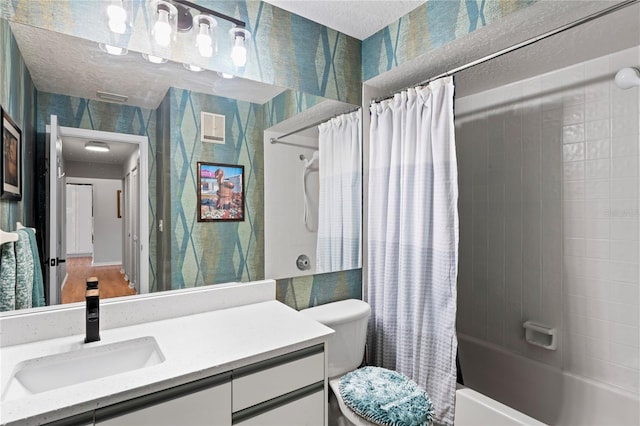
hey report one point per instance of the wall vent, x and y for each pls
(212, 127)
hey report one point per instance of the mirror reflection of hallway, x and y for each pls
(94, 239)
(97, 211)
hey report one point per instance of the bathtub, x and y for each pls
(475, 409)
(552, 396)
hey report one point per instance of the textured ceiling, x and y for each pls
(119, 153)
(357, 18)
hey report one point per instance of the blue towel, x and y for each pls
(24, 271)
(37, 298)
(8, 277)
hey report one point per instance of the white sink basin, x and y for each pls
(89, 363)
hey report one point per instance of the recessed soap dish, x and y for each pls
(540, 335)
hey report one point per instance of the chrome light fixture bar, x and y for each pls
(172, 16)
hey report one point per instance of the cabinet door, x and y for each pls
(306, 411)
(211, 406)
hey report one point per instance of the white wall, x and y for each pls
(107, 227)
(286, 237)
(93, 170)
(549, 223)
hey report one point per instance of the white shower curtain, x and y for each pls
(340, 203)
(413, 240)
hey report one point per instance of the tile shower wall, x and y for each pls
(549, 218)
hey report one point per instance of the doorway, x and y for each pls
(61, 171)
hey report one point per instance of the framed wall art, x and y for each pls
(220, 192)
(11, 159)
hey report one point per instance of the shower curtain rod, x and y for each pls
(520, 45)
(277, 140)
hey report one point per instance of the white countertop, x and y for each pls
(194, 347)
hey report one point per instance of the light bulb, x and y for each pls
(203, 41)
(162, 29)
(117, 18)
(239, 52)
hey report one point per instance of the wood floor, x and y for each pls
(111, 281)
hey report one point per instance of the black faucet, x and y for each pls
(92, 295)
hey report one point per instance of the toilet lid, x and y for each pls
(385, 397)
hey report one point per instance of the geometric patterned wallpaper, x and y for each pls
(429, 26)
(214, 252)
(16, 98)
(313, 290)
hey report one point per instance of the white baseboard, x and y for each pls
(71, 255)
(114, 263)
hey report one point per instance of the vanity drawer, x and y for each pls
(304, 409)
(275, 377)
(204, 402)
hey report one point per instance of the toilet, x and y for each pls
(345, 353)
(348, 318)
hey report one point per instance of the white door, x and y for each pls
(57, 214)
(126, 255)
(79, 219)
(135, 251)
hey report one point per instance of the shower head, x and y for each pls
(627, 78)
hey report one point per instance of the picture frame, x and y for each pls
(220, 192)
(10, 159)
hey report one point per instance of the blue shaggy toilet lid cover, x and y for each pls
(386, 397)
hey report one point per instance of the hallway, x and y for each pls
(111, 281)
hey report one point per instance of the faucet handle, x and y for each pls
(92, 283)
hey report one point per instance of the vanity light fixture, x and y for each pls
(96, 146)
(113, 50)
(154, 59)
(169, 17)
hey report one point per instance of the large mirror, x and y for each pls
(109, 200)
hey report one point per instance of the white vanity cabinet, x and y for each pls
(285, 390)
